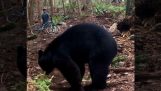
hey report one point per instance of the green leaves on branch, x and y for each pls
(117, 60)
(104, 8)
(42, 82)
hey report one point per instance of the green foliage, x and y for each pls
(66, 17)
(83, 15)
(59, 4)
(71, 5)
(42, 82)
(57, 19)
(118, 59)
(103, 8)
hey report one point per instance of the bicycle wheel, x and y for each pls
(46, 27)
(36, 28)
(53, 27)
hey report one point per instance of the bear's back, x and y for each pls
(83, 38)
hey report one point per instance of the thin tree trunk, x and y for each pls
(39, 10)
(28, 20)
(51, 7)
(64, 8)
(54, 5)
(30, 14)
(71, 2)
(79, 8)
(45, 3)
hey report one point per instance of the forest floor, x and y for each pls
(120, 78)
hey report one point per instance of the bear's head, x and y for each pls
(45, 61)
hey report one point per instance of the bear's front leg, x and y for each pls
(71, 72)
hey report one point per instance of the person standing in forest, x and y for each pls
(45, 19)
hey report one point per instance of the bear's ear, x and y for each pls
(40, 53)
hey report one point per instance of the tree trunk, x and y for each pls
(71, 2)
(64, 8)
(45, 3)
(51, 7)
(30, 14)
(39, 10)
(79, 7)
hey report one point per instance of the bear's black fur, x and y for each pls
(80, 44)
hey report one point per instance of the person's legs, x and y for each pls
(45, 27)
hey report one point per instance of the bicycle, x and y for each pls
(49, 27)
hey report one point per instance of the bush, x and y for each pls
(42, 82)
(57, 19)
(103, 8)
(118, 59)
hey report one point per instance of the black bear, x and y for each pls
(80, 44)
(22, 60)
